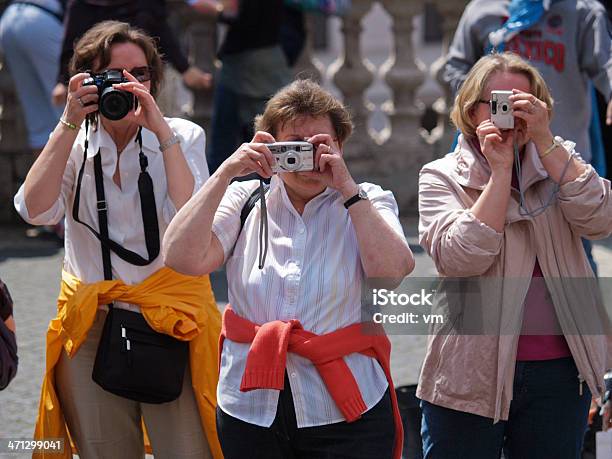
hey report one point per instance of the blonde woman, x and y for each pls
(512, 205)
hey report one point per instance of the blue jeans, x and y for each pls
(31, 40)
(548, 419)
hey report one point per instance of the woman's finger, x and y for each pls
(254, 166)
(268, 157)
(83, 90)
(322, 149)
(129, 76)
(76, 80)
(260, 158)
(321, 138)
(263, 137)
(325, 160)
(89, 98)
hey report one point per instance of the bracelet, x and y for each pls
(173, 140)
(68, 124)
(549, 150)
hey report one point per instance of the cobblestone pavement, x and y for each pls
(31, 269)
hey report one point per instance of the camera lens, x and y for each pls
(115, 104)
(504, 108)
(291, 161)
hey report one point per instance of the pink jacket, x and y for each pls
(475, 373)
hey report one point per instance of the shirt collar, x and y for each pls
(473, 171)
(276, 182)
(100, 139)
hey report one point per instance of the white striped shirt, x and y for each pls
(312, 273)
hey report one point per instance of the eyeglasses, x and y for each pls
(142, 74)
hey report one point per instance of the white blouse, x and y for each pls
(83, 256)
(312, 273)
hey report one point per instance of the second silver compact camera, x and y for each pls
(501, 109)
(292, 156)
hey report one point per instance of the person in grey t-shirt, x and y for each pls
(569, 44)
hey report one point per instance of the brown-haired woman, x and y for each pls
(327, 234)
(99, 172)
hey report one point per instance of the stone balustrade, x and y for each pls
(391, 157)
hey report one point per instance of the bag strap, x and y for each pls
(147, 206)
(250, 204)
(258, 195)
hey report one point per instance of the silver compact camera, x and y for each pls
(292, 156)
(501, 109)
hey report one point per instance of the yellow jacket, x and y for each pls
(178, 305)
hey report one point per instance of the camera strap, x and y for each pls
(147, 206)
(523, 211)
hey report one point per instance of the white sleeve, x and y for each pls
(384, 202)
(193, 146)
(226, 224)
(53, 214)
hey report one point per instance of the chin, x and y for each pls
(301, 182)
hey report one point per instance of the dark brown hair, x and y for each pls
(304, 98)
(94, 48)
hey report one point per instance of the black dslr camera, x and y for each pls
(114, 104)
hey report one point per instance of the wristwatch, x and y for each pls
(361, 195)
(173, 140)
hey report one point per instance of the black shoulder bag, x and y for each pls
(133, 360)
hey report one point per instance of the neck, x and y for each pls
(121, 133)
(298, 200)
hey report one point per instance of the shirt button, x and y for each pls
(294, 374)
(301, 230)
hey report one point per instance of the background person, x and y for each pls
(525, 391)
(171, 151)
(320, 252)
(8, 343)
(31, 37)
(252, 41)
(149, 15)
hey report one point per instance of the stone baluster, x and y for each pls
(353, 74)
(444, 133)
(404, 148)
(200, 35)
(307, 65)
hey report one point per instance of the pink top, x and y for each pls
(541, 336)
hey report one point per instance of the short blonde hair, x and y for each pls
(470, 92)
(304, 98)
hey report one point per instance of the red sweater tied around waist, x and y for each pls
(267, 357)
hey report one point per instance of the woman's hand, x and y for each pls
(496, 145)
(534, 113)
(59, 94)
(330, 168)
(148, 114)
(81, 100)
(196, 79)
(251, 157)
